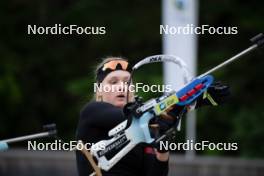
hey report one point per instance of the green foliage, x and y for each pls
(240, 120)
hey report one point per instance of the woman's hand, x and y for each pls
(216, 94)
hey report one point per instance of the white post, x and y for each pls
(178, 14)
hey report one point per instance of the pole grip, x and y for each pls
(258, 39)
(51, 129)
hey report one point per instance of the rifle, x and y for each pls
(135, 129)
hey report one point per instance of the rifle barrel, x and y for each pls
(237, 56)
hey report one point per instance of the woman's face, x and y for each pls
(115, 88)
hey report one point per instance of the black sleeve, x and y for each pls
(155, 167)
(83, 166)
(101, 115)
(96, 119)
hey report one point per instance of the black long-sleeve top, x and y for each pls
(96, 119)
